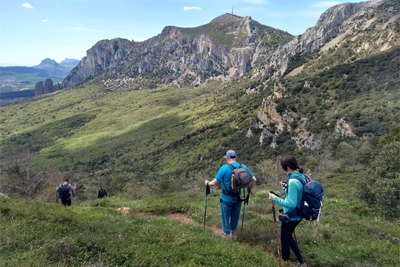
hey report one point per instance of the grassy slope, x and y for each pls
(177, 133)
(208, 29)
(77, 129)
(350, 233)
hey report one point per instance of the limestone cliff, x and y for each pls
(347, 21)
(221, 49)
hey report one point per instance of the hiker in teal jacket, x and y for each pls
(230, 209)
(294, 193)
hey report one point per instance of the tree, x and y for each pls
(17, 176)
(272, 173)
(381, 183)
(346, 154)
(324, 163)
(392, 136)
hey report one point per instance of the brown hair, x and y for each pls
(291, 162)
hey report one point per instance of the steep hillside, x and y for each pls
(117, 130)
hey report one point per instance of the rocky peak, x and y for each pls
(46, 63)
(227, 19)
(227, 23)
(338, 22)
(172, 33)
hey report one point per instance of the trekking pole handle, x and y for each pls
(207, 189)
(272, 192)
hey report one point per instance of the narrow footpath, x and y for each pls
(183, 218)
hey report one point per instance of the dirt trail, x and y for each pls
(180, 217)
(183, 218)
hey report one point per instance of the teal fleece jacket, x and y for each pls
(293, 198)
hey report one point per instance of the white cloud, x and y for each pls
(326, 4)
(257, 2)
(27, 5)
(45, 20)
(186, 8)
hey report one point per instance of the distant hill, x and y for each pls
(70, 61)
(14, 80)
(54, 68)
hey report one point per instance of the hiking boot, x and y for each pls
(301, 264)
(233, 237)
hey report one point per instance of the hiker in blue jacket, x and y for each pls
(294, 192)
(230, 209)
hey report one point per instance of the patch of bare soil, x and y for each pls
(123, 210)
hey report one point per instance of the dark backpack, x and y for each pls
(240, 184)
(64, 191)
(102, 193)
(311, 206)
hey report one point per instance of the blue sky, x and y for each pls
(31, 30)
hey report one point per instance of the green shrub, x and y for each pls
(381, 184)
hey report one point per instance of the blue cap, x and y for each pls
(230, 154)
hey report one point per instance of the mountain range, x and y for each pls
(231, 46)
(168, 104)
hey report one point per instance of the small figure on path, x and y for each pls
(102, 193)
(64, 190)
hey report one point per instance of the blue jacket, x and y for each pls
(294, 197)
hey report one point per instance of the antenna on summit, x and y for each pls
(232, 10)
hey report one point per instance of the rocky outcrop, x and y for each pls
(335, 24)
(273, 124)
(39, 89)
(105, 54)
(48, 86)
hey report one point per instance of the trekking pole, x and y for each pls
(295, 237)
(244, 207)
(205, 206)
(276, 231)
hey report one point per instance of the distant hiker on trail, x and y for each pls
(64, 190)
(230, 208)
(102, 193)
(294, 190)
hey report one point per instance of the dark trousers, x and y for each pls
(288, 241)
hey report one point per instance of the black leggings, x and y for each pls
(288, 242)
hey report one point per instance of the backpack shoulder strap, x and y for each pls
(304, 180)
(231, 166)
(222, 182)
